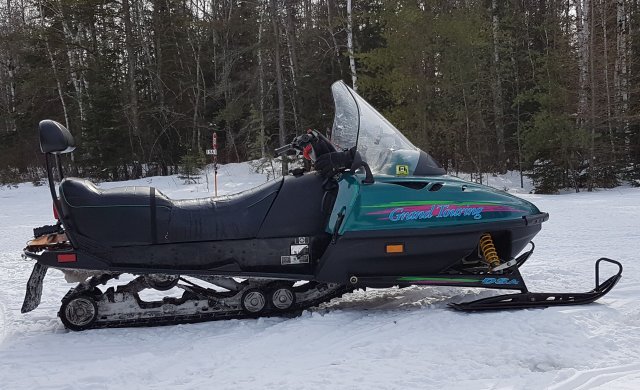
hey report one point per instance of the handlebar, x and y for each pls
(284, 149)
(298, 143)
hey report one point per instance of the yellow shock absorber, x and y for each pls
(489, 250)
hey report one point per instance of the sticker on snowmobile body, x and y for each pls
(419, 211)
(299, 249)
(301, 240)
(500, 281)
(434, 211)
(402, 170)
(290, 260)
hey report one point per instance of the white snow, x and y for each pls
(379, 339)
(510, 181)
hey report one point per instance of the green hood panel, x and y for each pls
(427, 202)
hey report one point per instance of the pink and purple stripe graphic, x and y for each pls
(408, 212)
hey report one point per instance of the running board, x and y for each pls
(528, 300)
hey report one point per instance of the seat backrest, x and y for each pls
(55, 138)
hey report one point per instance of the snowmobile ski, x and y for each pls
(529, 300)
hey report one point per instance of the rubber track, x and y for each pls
(213, 316)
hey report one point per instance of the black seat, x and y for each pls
(143, 215)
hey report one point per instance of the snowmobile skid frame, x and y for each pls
(87, 307)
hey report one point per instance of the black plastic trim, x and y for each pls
(536, 218)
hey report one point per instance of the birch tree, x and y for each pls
(497, 86)
(352, 61)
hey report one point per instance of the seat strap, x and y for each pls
(152, 215)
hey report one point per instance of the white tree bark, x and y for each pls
(293, 59)
(12, 96)
(497, 86)
(605, 48)
(134, 120)
(11, 123)
(75, 56)
(263, 148)
(330, 28)
(54, 68)
(592, 124)
(279, 81)
(11, 77)
(621, 77)
(352, 61)
(582, 10)
(514, 64)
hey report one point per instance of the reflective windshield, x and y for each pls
(347, 117)
(380, 144)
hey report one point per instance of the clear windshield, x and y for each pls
(380, 144)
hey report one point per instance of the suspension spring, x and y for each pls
(489, 250)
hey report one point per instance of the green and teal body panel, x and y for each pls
(393, 203)
(438, 220)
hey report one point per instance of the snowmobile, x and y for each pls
(388, 215)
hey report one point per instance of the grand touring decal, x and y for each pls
(408, 212)
(446, 211)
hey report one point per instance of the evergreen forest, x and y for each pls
(548, 87)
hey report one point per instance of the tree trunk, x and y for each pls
(621, 70)
(497, 89)
(467, 122)
(605, 49)
(134, 129)
(582, 10)
(75, 57)
(230, 142)
(592, 157)
(352, 61)
(330, 28)
(11, 64)
(279, 82)
(263, 148)
(54, 67)
(517, 93)
(293, 59)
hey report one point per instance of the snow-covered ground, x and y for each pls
(379, 339)
(510, 181)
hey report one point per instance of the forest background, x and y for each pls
(549, 87)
